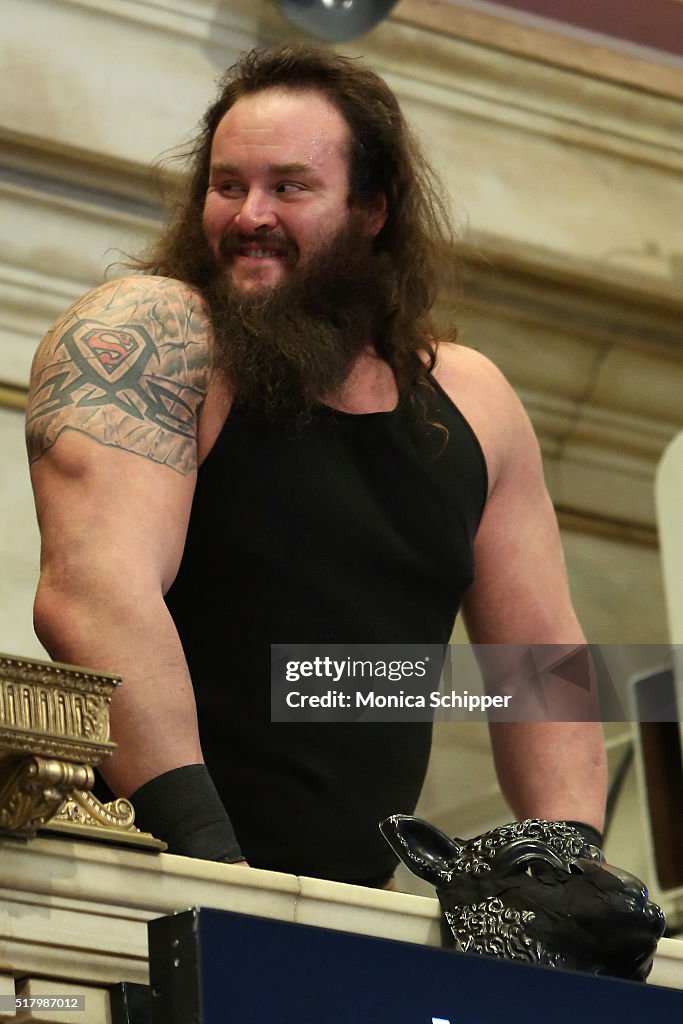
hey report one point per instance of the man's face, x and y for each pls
(278, 188)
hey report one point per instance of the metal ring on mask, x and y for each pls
(521, 851)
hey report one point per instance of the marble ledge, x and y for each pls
(78, 910)
(119, 882)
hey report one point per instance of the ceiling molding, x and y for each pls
(554, 48)
(240, 22)
(429, 64)
(612, 24)
(615, 312)
(521, 90)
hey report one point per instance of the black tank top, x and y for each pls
(355, 529)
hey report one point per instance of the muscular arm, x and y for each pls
(521, 596)
(117, 386)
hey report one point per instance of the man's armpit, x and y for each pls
(128, 385)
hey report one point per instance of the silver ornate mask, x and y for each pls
(534, 891)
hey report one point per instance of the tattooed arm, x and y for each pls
(117, 387)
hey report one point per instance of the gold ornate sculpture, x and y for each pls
(54, 728)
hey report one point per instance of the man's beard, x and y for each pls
(289, 347)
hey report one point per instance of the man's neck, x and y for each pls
(369, 387)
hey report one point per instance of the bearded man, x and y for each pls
(262, 439)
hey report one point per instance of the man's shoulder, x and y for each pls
(459, 366)
(476, 385)
(488, 402)
(142, 320)
(128, 365)
(138, 296)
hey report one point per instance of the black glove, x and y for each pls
(590, 834)
(183, 808)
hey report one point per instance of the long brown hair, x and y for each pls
(417, 240)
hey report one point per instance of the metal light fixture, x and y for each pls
(335, 20)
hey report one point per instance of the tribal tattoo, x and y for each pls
(128, 366)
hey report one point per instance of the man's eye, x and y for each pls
(230, 188)
(289, 186)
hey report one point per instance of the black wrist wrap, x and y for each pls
(183, 808)
(590, 834)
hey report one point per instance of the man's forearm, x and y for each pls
(153, 714)
(553, 770)
(158, 760)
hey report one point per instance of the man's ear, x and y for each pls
(377, 213)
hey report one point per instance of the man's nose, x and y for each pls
(257, 211)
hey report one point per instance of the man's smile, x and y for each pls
(257, 248)
(259, 254)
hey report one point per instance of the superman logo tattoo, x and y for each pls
(110, 348)
(96, 365)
